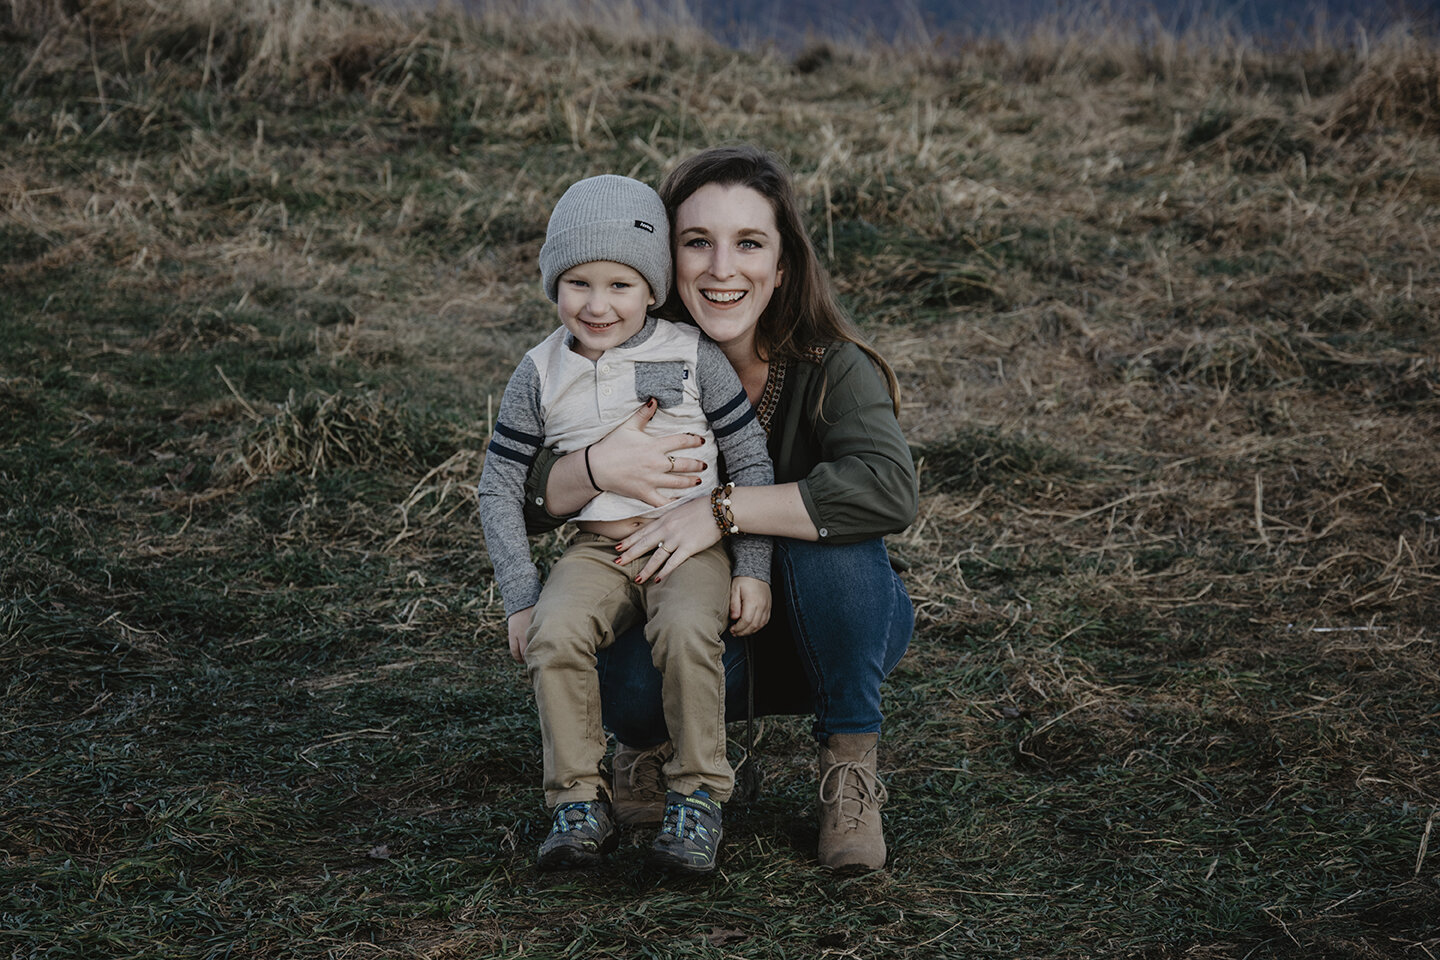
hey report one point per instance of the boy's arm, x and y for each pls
(741, 440)
(518, 436)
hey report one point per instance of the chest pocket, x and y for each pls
(662, 379)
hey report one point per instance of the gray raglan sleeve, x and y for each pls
(742, 443)
(518, 436)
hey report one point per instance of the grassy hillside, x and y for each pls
(1167, 320)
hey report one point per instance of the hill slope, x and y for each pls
(1165, 319)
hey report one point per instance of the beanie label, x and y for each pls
(647, 227)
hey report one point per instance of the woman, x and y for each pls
(747, 275)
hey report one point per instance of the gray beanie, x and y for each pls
(608, 217)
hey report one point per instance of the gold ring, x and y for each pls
(660, 545)
(671, 458)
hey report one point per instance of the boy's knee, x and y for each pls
(690, 641)
(554, 641)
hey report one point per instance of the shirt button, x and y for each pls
(824, 532)
(606, 390)
(539, 501)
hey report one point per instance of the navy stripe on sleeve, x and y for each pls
(510, 433)
(740, 421)
(499, 449)
(724, 411)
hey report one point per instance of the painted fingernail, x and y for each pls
(639, 579)
(697, 482)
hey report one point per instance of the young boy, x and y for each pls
(606, 259)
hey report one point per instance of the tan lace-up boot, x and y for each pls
(851, 837)
(639, 795)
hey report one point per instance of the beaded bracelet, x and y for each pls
(720, 509)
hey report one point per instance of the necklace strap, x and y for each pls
(775, 385)
(770, 396)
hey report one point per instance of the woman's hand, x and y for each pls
(749, 605)
(670, 539)
(634, 464)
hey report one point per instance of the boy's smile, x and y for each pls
(602, 303)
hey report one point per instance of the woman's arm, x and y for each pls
(568, 487)
(859, 478)
(855, 470)
(777, 511)
(628, 461)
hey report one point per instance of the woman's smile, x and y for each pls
(727, 261)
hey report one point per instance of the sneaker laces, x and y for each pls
(850, 781)
(675, 822)
(574, 816)
(642, 770)
(682, 820)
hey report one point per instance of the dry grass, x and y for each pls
(1398, 85)
(1164, 310)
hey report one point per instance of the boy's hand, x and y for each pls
(749, 605)
(520, 625)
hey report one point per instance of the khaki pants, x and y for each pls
(586, 601)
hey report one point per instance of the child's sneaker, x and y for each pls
(689, 835)
(639, 794)
(582, 832)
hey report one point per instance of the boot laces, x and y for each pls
(642, 770)
(851, 783)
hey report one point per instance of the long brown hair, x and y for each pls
(803, 312)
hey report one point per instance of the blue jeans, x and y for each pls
(840, 622)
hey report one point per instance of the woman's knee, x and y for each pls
(630, 691)
(865, 564)
(853, 577)
(847, 608)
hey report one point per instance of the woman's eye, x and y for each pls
(697, 242)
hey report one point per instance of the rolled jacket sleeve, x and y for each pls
(537, 518)
(862, 483)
